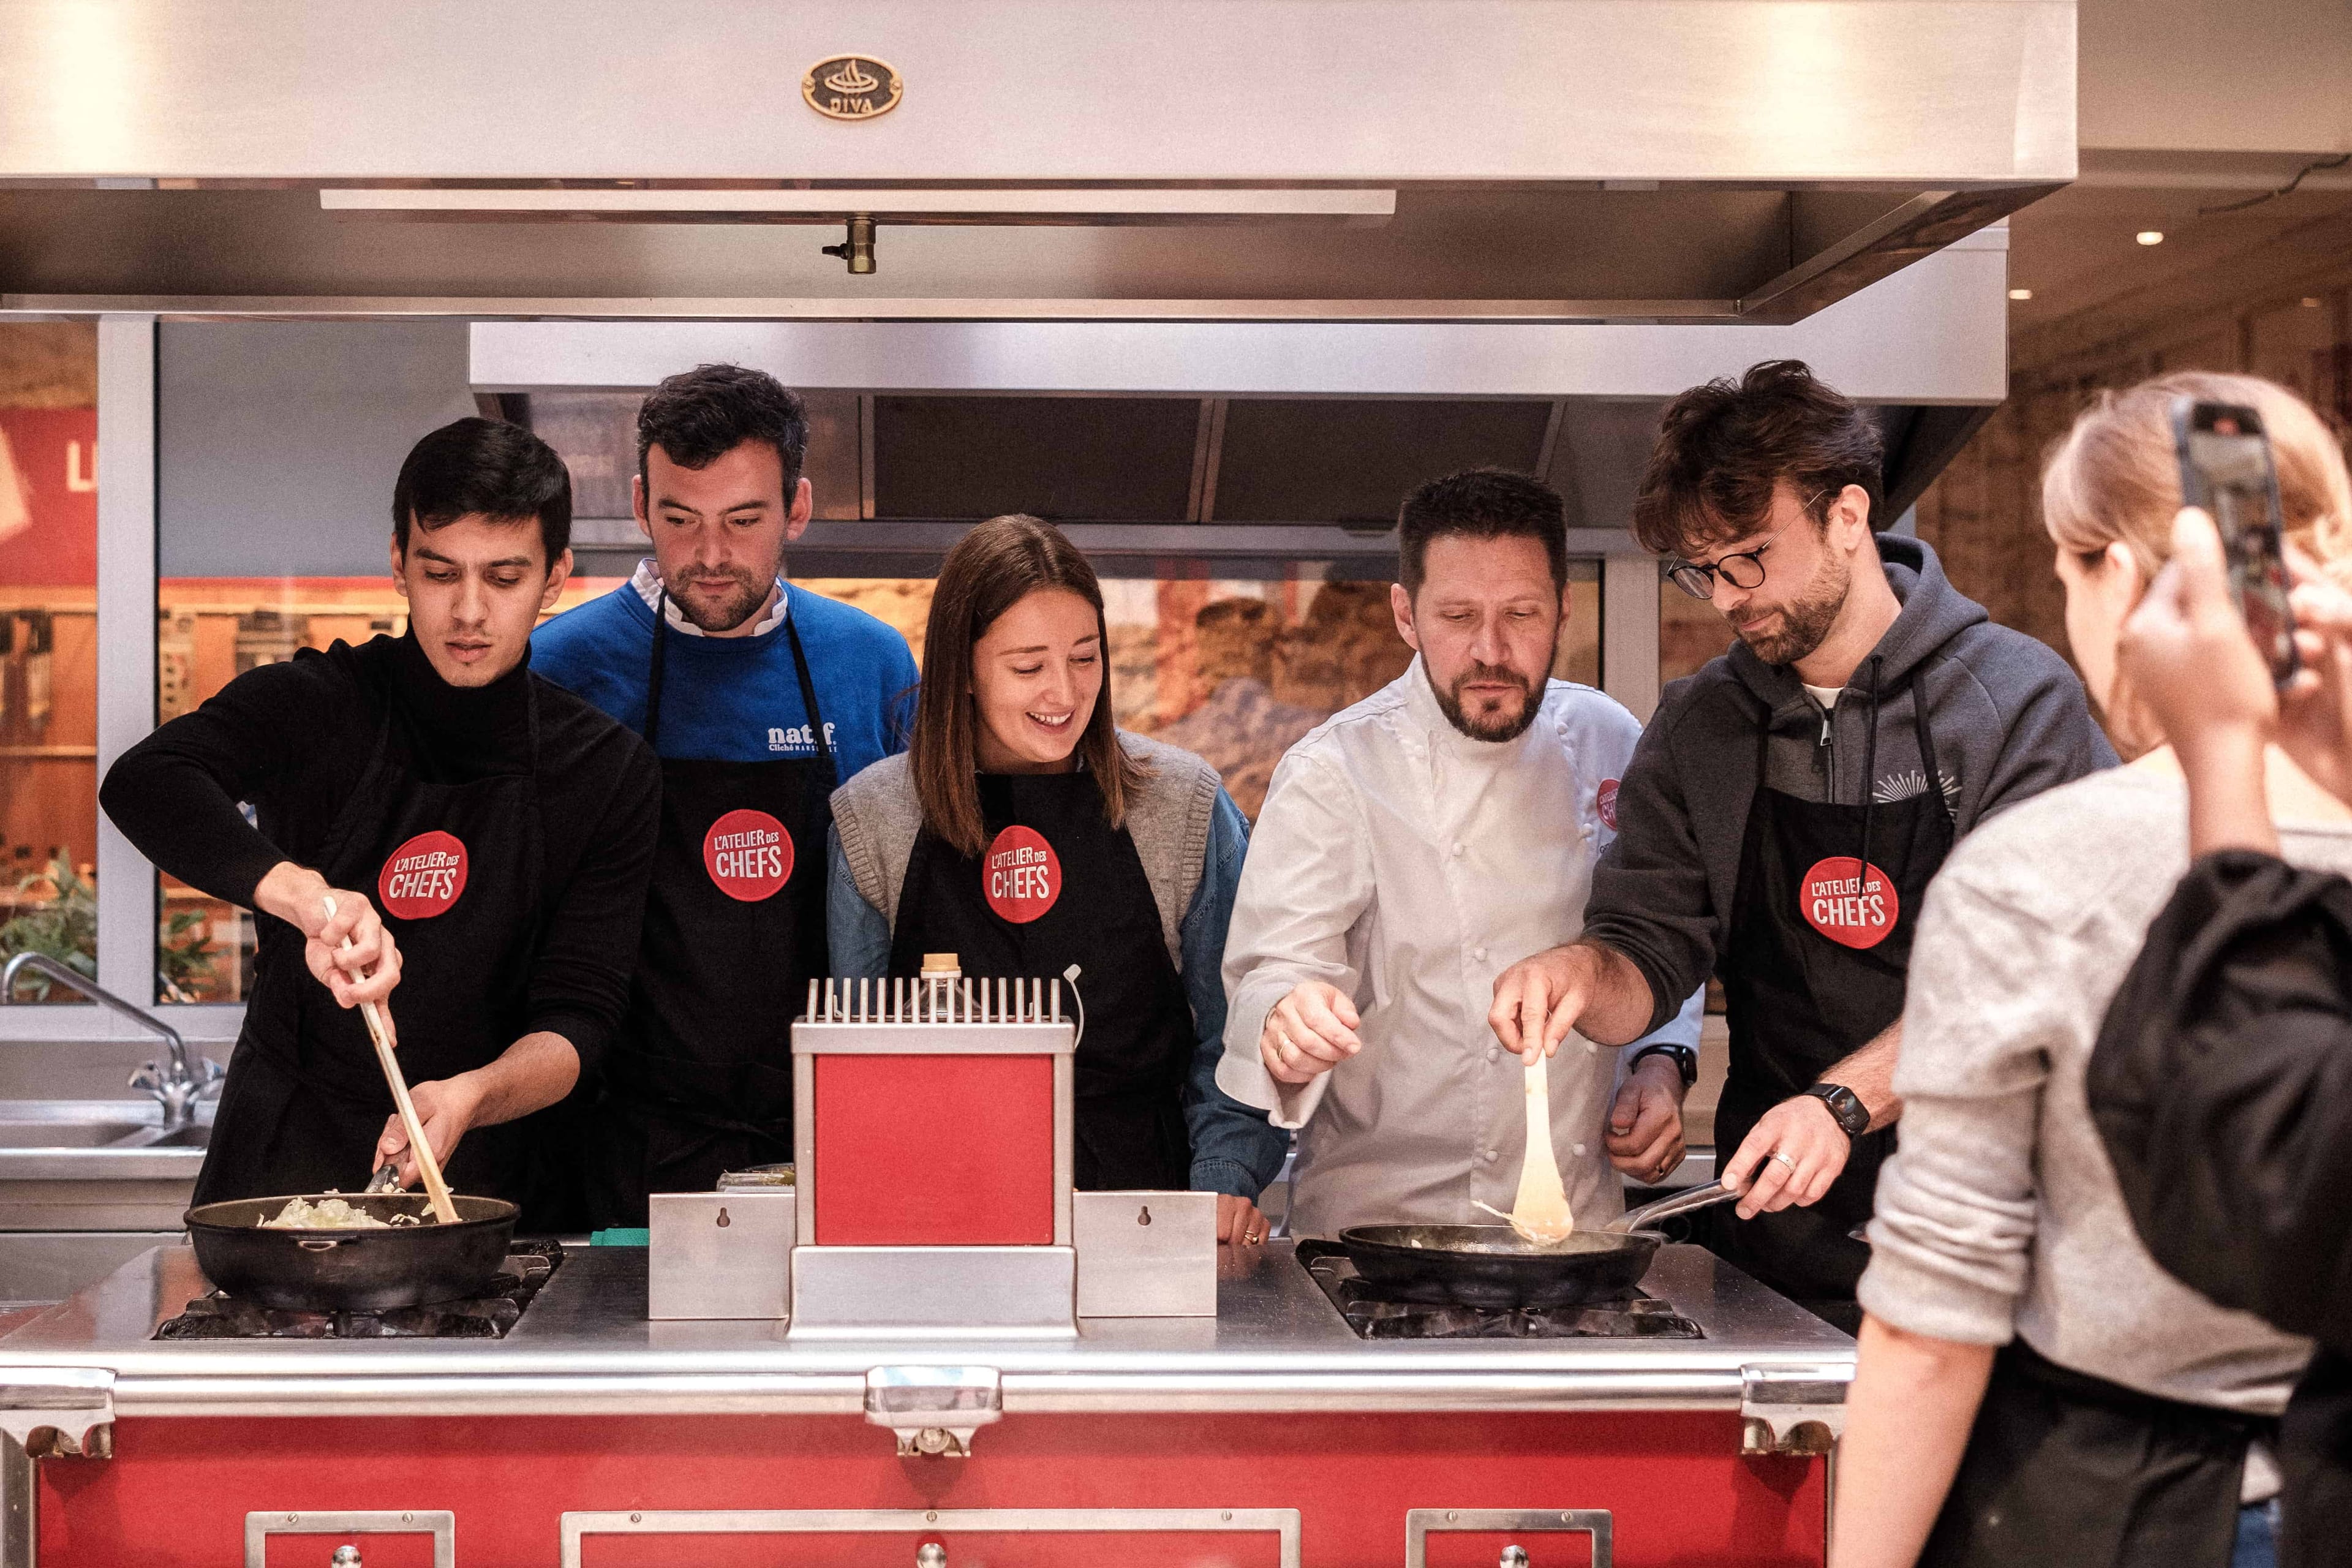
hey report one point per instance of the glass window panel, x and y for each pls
(49, 647)
(1690, 633)
(1237, 669)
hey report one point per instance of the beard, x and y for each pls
(1795, 629)
(1505, 725)
(745, 594)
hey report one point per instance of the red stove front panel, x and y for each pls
(1677, 1492)
(934, 1151)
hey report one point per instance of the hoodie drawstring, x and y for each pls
(1869, 773)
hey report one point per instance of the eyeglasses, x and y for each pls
(1743, 571)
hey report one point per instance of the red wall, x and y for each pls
(54, 471)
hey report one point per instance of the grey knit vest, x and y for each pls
(878, 816)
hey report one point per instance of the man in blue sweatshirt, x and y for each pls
(758, 699)
(1785, 810)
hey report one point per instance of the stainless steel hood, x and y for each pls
(1239, 441)
(1543, 161)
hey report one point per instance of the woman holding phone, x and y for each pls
(1024, 832)
(2033, 1386)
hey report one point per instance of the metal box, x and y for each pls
(932, 1147)
(720, 1255)
(1146, 1255)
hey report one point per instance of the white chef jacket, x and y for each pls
(1410, 865)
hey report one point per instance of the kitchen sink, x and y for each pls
(84, 1124)
(96, 1165)
(68, 1134)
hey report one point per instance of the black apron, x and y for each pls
(699, 1080)
(2064, 1467)
(1057, 885)
(1798, 1001)
(456, 874)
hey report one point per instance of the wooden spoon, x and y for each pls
(445, 1209)
(1541, 1211)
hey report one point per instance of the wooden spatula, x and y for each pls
(443, 1208)
(1541, 1211)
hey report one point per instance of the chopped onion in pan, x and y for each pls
(332, 1213)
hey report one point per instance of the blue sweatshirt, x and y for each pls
(737, 698)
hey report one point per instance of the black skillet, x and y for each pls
(1494, 1266)
(351, 1270)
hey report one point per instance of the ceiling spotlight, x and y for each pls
(2021, 293)
(2150, 237)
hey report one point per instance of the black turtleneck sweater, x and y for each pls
(293, 739)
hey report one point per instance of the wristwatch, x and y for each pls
(1685, 1058)
(1845, 1105)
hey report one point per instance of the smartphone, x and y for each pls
(2226, 469)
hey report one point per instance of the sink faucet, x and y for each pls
(177, 1084)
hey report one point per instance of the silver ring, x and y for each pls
(1784, 1159)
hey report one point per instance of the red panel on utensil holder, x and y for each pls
(934, 1151)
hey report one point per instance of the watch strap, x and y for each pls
(1845, 1106)
(1685, 1059)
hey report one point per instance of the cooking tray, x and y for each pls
(351, 1270)
(1493, 1266)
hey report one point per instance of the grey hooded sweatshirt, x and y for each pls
(2007, 716)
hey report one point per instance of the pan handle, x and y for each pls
(320, 1242)
(1667, 1208)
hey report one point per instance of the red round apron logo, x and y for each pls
(1604, 801)
(748, 853)
(1844, 904)
(1020, 875)
(423, 878)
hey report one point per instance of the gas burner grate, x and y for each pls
(1372, 1317)
(529, 1266)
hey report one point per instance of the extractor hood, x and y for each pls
(1259, 441)
(1396, 161)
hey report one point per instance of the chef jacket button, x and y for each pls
(1479, 953)
(1457, 848)
(1577, 1150)
(1492, 1155)
(1590, 1049)
(1494, 1053)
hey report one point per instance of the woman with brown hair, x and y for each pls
(2034, 1387)
(1024, 832)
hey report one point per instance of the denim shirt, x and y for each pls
(1235, 1148)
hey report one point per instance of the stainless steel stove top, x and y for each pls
(529, 1266)
(1375, 1317)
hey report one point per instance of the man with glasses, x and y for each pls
(1784, 811)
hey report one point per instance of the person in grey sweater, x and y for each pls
(1784, 811)
(2033, 1386)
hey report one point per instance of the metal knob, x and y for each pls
(930, 1554)
(1514, 1557)
(345, 1557)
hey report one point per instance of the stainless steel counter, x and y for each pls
(584, 1347)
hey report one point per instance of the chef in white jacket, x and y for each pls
(1412, 849)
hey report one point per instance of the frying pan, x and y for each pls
(1494, 1266)
(351, 1270)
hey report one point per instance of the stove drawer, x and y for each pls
(1521, 1531)
(931, 1538)
(439, 1523)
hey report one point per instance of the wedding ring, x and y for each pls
(1784, 1159)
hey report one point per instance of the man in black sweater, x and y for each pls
(421, 801)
